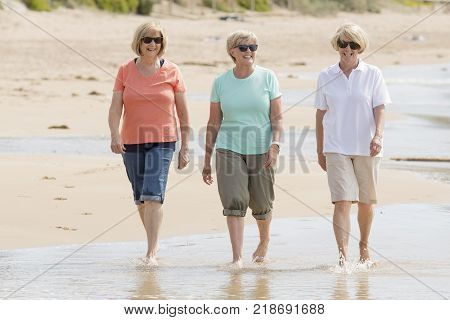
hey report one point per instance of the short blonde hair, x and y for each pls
(354, 33)
(236, 38)
(142, 30)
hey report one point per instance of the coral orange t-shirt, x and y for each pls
(149, 103)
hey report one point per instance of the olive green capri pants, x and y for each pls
(244, 182)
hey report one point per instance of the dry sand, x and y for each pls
(43, 83)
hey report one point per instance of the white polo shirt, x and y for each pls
(349, 123)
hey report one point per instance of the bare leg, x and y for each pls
(141, 209)
(152, 221)
(341, 226)
(264, 238)
(236, 230)
(365, 218)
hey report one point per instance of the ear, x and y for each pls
(231, 54)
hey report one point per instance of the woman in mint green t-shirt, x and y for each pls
(245, 126)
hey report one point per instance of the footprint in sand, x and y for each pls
(62, 126)
(66, 228)
(48, 178)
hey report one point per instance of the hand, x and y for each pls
(375, 146)
(272, 156)
(183, 157)
(117, 145)
(322, 161)
(207, 178)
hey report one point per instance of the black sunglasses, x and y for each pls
(244, 48)
(148, 40)
(343, 44)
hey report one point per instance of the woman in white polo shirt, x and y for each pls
(350, 101)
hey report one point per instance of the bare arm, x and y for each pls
(183, 116)
(214, 123)
(377, 141)
(115, 113)
(276, 122)
(319, 138)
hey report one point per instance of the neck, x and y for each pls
(149, 61)
(348, 67)
(243, 71)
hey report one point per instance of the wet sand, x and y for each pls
(301, 264)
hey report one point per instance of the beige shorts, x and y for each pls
(352, 178)
(244, 182)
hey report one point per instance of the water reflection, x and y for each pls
(359, 281)
(149, 288)
(257, 286)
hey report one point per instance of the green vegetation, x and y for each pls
(413, 3)
(123, 6)
(144, 7)
(324, 7)
(260, 5)
(221, 5)
(308, 7)
(38, 5)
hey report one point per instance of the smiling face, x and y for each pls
(348, 55)
(152, 49)
(247, 57)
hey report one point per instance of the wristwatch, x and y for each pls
(276, 143)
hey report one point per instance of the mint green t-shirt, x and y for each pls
(245, 104)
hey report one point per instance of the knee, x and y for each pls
(365, 206)
(152, 204)
(343, 206)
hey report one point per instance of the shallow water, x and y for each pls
(409, 244)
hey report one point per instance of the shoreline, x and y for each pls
(87, 196)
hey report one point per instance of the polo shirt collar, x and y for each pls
(362, 66)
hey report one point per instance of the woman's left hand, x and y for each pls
(183, 157)
(375, 146)
(272, 156)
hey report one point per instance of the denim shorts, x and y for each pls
(147, 166)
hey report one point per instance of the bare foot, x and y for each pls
(236, 265)
(150, 261)
(342, 258)
(260, 252)
(154, 252)
(363, 252)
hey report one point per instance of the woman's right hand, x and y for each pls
(322, 161)
(117, 145)
(206, 173)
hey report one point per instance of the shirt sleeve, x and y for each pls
(119, 85)
(179, 85)
(320, 100)
(215, 97)
(274, 87)
(380, 94)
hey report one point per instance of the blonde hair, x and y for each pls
(142, 30)
(354, 33)
(236, 38)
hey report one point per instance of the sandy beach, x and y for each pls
(56, 199)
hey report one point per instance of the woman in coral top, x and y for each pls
(148, 89)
